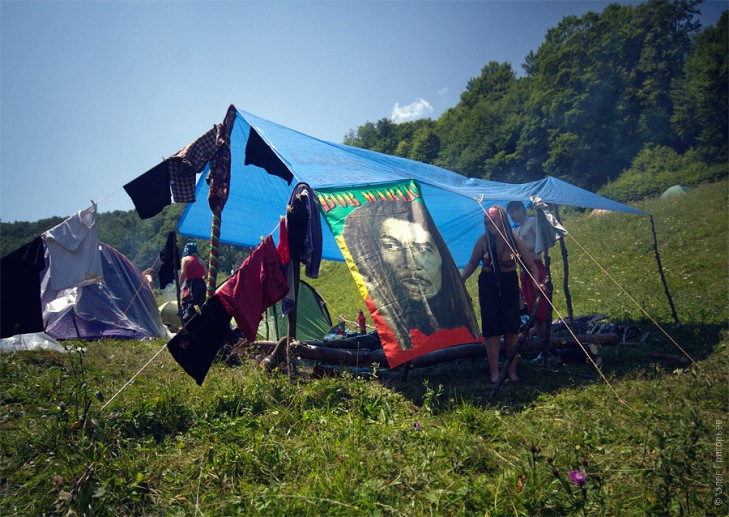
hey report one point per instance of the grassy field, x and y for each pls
(559, 442)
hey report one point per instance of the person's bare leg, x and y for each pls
(493, 345)
(509, 343)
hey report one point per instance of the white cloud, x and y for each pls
(418, 109)
(443, 91)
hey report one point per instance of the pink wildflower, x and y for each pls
(578, 477)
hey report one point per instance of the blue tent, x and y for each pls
(258, 199)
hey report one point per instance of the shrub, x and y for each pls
(658, 167)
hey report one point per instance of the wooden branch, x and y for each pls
(331, 353)
(569, 341)
(674, 357)
(275, 356)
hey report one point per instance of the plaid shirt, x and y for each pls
(186, 163)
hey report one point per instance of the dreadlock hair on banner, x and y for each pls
(402, 267)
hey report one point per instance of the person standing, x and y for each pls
(498, 285)
(192, 281)
(528, 232)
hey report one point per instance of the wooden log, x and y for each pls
(365, 356)
(452, 353)
(569, 341)
(347, 357)
(275, 354)
(673, 357)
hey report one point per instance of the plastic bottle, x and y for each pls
(362, 325)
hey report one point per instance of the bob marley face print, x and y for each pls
(402, 267)
(410, 251)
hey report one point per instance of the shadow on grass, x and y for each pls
(466, 380)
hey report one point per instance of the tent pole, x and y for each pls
(214, 252)
(660, 271)
(275, 323)
(176, 276)
(566, 267)
(219, 181)
(294, 263)
(548, 322)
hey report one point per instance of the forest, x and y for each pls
(602, 95)
(625, 103)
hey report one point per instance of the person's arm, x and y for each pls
(183, 267)
(476, 255)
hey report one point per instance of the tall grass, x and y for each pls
(247, 442)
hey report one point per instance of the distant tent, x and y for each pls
(312, 317)
(676, 190)
(170, 314)
(122, 305)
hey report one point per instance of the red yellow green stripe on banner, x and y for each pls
(402, 267)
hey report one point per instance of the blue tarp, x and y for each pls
(258, 199)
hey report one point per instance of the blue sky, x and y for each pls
(94, 93)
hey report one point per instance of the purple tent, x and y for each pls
(122, 305)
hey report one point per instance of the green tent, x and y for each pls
(312, 318)
(674, 191)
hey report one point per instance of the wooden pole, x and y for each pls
(291, 334)
(660, 271)
(566, 267)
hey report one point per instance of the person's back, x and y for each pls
(527, 229)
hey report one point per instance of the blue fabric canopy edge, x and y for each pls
(258, 199)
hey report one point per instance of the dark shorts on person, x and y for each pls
(499, 303)
(194, 294)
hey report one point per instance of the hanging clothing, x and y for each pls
(170, 261)
(73, 250)
(219, 173)
(310, 252)
(303, 225)
(549, 229)
(150, 192)
(258, 284)
(20, 282)
(186, 163)
(283, 243)
(260, 154)
(197, 344)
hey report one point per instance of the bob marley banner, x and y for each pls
(402, 267)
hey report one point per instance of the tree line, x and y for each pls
(139, 240)
(601, 91)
